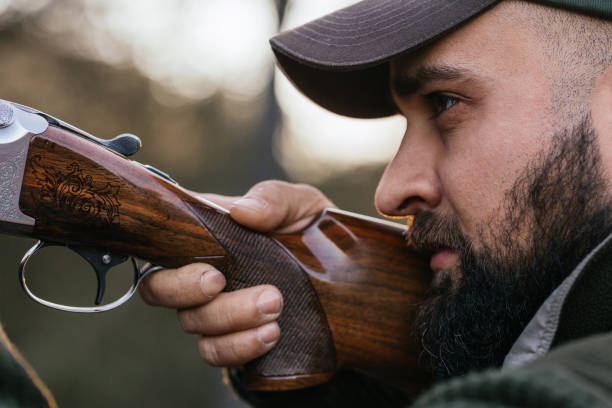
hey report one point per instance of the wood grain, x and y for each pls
(81, 193)
(370, 285)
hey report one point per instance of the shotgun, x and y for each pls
(350, 283)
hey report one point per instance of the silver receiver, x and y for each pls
(17, 127)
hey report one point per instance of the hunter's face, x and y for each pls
(477, 109)
(508, 195)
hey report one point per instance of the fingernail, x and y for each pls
(211, 283)
(268, 334)
(269, 302)
(251, 203)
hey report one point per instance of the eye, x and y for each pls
(441, 102)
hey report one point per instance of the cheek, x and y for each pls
(477, 173)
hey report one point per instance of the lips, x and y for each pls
(443, 259)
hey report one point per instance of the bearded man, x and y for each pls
(506, 167)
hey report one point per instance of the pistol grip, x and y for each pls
(305, 353)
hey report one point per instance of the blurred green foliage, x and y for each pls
(136, 355)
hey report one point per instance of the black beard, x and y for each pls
(559, 207)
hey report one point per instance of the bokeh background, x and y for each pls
(195, 80)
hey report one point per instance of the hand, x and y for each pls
(236, 327)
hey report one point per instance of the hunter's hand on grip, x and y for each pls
(233, 328)
(242, 333)
(305, 351)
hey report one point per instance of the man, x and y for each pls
(506, 166)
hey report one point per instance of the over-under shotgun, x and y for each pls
(349, 282)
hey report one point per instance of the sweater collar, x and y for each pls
(537, 337)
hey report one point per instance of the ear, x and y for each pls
(601, 105)
(601, 111)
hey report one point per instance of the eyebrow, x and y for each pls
(406, 85)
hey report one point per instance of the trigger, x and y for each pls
(102, 262)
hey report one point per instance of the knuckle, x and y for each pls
(233, 350)
(146, 293)
(227, 317)
(269, 185)
(243, 349)
(269, 189)
(318, 198)
(242, 352)
(209, 352)
(216, 317)
(187, 321)
(308, 189)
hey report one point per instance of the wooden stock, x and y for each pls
(350, 285)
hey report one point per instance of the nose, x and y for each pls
(410, 182)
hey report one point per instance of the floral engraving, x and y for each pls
(10, 186)
(7, 176)
(72, 193)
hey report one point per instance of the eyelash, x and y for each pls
(441, 102)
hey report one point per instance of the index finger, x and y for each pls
(279, 206)
(221, 200)
(188, 286)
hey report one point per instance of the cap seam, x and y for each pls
(364, 63)
(398, 19)
(361, 15)
(387, 33)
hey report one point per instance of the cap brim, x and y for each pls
(340, 60)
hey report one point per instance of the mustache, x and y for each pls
(430, 232)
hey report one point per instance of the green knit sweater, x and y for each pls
(575, 375)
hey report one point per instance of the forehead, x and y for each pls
(495, 44)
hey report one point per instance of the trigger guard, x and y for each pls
(75, 309)
(147, 269)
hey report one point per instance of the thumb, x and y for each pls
(279, 206)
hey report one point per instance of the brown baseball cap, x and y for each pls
(340, 61)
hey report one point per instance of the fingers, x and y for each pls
(181, 288)
(234, 311)
(274, 205)
(234, 327)
(280, 206)
(236, 349)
